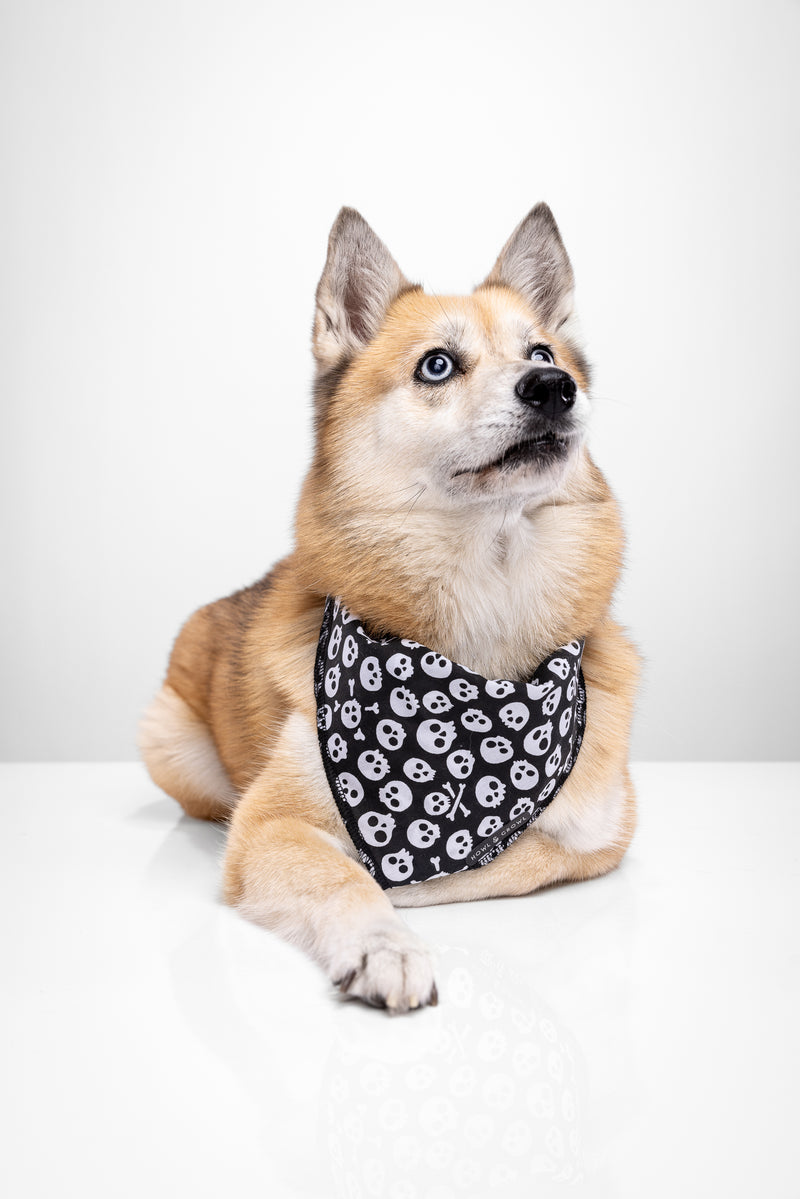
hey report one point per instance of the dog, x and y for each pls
(451, 519)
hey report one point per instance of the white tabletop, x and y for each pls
(631, 1036)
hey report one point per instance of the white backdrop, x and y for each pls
(170, 172)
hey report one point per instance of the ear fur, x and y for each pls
(534, 262)
(358, 284)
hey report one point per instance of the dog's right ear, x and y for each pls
(358, 284)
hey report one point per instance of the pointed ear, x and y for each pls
(358, 284)
(534, 262)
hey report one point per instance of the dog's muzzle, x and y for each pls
(549, 391)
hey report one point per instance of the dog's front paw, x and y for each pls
(388, 967)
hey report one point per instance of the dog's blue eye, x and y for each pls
(541, 354)
(436, 367)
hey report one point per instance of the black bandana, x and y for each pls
(434, 768)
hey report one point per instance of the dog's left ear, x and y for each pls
(358, 284)
(534, 262)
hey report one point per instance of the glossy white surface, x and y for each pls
(631, 1036)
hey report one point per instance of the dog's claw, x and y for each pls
(394, 971)
(346, 981)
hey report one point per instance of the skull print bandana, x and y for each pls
(434, 768)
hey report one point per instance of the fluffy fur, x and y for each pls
(418, 513)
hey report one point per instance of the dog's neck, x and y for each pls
(496, 589)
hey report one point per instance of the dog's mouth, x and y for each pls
(541, 450)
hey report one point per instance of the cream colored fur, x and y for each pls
(181, 756)
(406, 515)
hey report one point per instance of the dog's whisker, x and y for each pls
(498, 535)
(414, 501)
(456, 327)
(441, 305)
(609, 399)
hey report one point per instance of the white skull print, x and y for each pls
(403, 702)
(370, 674)
(350, 788)
(376, 827)
(436, 701)
(547, 791)
(397, 866)
(463, 691)
(536, 689)
(476, 721)
(496, 749)
(515, 716)
(401, 666)
(422, 833)
(396, 794)
(538, 740)
(351, 713)
(332, 681)
(436, 736)
(337, 747)
(349, 651)
(373, 764)
(418, 770)
(499, 688)
(459, 844)
(436, 665)
(559, 667)
(390, 734)
(490, 791)
(524, 775)
(460, 763)
(489, 826)
(335, 642)
(436, 803)
(553, 762)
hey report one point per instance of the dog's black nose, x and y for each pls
(549, 390)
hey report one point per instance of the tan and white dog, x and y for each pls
(451, 500)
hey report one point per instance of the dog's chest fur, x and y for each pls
(498, 587)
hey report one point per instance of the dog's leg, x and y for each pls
(287, 867)
(534, 860)
(182, 759)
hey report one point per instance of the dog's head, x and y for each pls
(479, 398)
